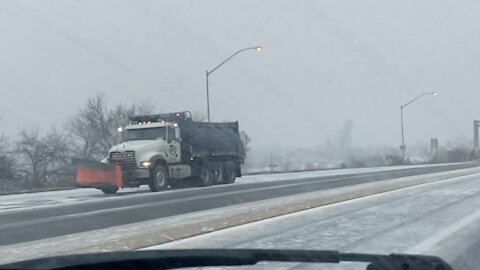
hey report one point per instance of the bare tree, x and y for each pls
(42, 156)
(7, 165)
(94, 128)
(144, 107)
(118, 117)
(90, 128)
(3, 144)
(3, 140)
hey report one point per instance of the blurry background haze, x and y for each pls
(323, 62)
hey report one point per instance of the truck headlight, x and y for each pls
(145, 164)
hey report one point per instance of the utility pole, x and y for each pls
(402, 147)
(208, 96)
(475, 134)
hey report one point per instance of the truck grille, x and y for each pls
(125, 159)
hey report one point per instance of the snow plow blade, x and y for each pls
(93, 174)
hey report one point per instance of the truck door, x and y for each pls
(173, 149)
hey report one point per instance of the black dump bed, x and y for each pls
(202, 139)
(212, 139)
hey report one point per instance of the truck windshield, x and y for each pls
(146, 134)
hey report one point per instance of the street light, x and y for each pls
(207, 73)
(403, 147)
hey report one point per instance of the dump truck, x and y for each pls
(161, 150)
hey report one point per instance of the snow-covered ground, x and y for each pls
(395, 221)
(50, 198)
(440, 218)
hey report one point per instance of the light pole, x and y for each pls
(207, 73)
(403, 146)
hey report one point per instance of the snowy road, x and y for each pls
(64, 197)
(133, 221)
(38, 223)
(440, 218)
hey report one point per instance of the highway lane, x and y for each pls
(51, 198)
(27, 225)
(440, 218)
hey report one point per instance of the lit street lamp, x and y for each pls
(403, 146)
(207, 73)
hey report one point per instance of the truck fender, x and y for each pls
(158, 159)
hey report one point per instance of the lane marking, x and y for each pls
(441, 235)
(168, 237)
(73, 197)
(243, 191)
(243, 228)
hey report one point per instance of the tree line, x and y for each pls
(36, 159)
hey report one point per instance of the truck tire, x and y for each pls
(109, 190)
(229, 173)
(216, 173)
(159, 179)
(205, 175)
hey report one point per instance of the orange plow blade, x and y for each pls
(97, 175)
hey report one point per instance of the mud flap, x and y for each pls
(93, 174)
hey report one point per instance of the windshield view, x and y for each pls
(155, 133)
(259, 134)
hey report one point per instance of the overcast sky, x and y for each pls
(323, 62)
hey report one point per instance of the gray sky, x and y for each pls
(323, 62)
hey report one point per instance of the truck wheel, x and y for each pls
(109, 190)
(159, 179)
(216, 173)
(205, 175)
(229, 173)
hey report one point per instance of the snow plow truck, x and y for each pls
(164, 149)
